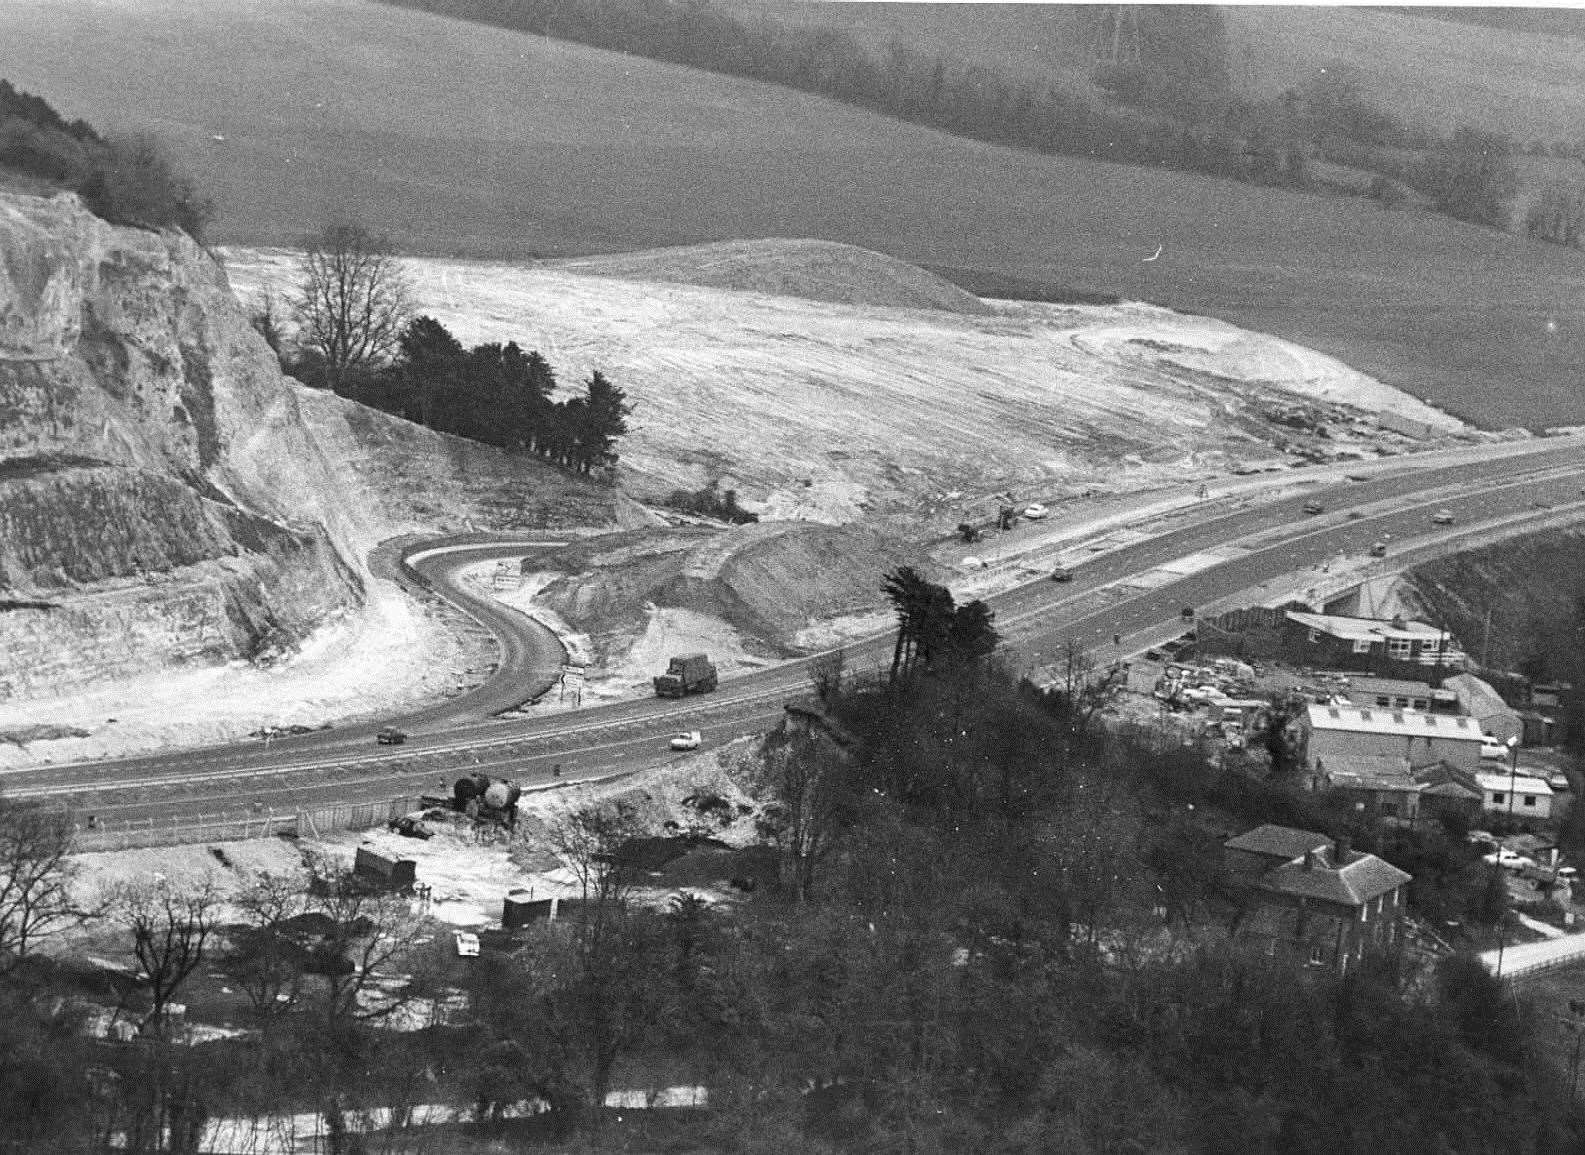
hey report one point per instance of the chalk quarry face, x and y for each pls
(142, 519)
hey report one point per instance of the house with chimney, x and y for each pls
(1313, 899)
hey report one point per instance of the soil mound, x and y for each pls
(813, 270)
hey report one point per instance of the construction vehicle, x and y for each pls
(493, 800)
(687, 674)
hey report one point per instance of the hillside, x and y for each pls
(813, 270)
(1530, 84)
(832, 412)
(553, 149)
(171, 506)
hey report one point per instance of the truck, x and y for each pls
(687, 674)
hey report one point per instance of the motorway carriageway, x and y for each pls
(1035, 618)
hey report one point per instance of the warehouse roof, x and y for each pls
(1381, 720)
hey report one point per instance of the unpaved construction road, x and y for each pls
(1135, 589)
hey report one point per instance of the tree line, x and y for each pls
(124, 180)
(356, 333)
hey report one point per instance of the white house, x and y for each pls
(1517, 795)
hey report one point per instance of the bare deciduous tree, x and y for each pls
(264, 958)
(35, 878)
(171, 929)
(806, 778)
(353, 302)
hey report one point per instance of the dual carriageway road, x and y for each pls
(1131, 582)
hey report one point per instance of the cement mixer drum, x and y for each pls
(498, 795)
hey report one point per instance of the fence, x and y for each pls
(180, 830)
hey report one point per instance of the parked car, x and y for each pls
(390, 736)
(1442, 517)
(688, 740)
(467, 944)
(1061, 574)
(1313, 507)
(1482, 836)
(409, 826)
(1036, 511)
(1507, 859)
(1559, 781)
(1491, 748)
(1543, 874)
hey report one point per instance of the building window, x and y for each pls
(1398, 647)
(1362, 645)
(1529, 799)
(1389, 809)
(1381, 700)
(1315, 635)
(1497, 799)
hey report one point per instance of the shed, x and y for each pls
(520, 908)
(396, 873)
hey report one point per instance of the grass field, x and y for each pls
(465, 140)
(1438, 72)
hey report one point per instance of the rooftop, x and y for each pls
(1367, 629)
(1382, 720)
(1483, 700)
(1360, 879)
(1397, 688)
(1278, 841)
(1514, 783)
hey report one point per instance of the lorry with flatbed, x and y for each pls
(687, 674)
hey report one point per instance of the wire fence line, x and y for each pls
(96, 834)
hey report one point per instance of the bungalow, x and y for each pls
(1326, 904)
(1400, 694)
(1349, 732)
(1344, 643)
(1515, 796)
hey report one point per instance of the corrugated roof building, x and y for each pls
(1341, 733)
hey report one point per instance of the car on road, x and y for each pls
(1379, 549)
(1314, 507)
(1507, 859)
(687, 740)
(1061, 574)
(1036, 511)
(390, 736)
(467, 944)
(1442, 517)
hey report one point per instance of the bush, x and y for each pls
(711, 502)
